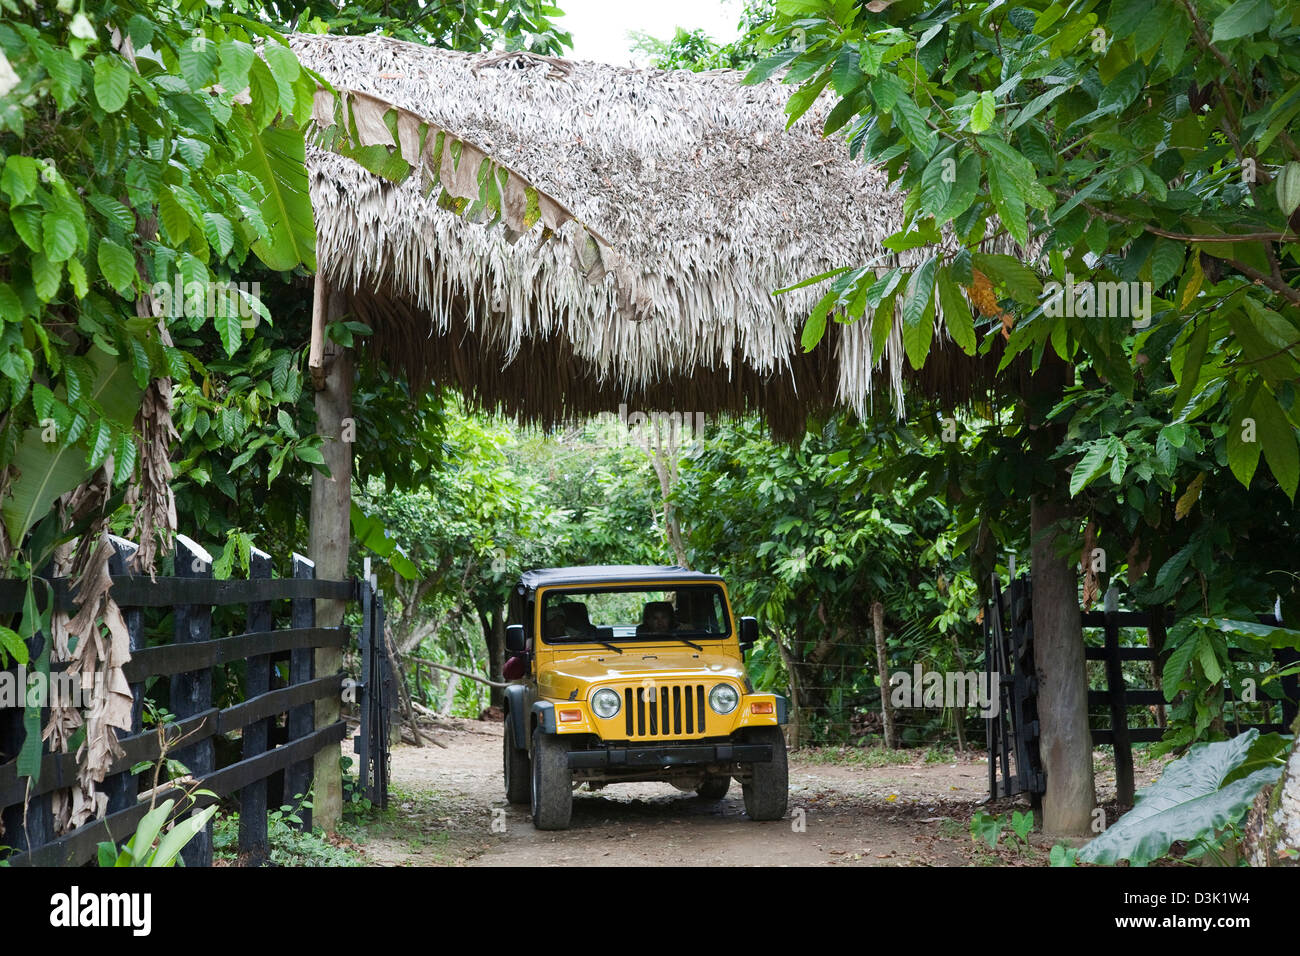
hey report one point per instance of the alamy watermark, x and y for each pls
(21, 688)
(629, 426)
(212, 299)
(923, 689)
(1086, 300)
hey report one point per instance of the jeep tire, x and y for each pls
(552, 782)
(516, 769)
(714, 787)
(768, 790)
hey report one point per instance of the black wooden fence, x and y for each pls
(1116, 699)
(1012, 736)
(272, 751)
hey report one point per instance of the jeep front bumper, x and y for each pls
(669, 755)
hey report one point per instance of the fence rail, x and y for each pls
(186, 659)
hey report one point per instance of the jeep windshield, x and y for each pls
(682, 614)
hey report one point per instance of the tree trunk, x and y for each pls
(496, 640)
(331, 503)
(882, 666)
(1065, 742)
(1272, 833)
(794, 729)
(664, 458)
(449, 695)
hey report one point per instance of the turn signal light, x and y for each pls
(761, 707)
(569, 716)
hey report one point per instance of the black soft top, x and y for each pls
(610, 573)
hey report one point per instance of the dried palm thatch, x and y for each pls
(708, 203)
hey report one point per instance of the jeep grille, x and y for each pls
(664, 711)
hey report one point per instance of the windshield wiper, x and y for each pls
(676, 637)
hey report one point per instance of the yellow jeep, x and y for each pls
(632, 674)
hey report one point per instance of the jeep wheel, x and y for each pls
(552, 790)
(768, 790)
(714, 787)
(516, 769)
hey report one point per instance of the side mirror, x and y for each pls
(748, 633)
(515, 641)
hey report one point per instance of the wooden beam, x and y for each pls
(331, 528)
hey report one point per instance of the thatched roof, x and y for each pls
(709, 201)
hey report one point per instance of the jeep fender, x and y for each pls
(544, 716)
(517, 713)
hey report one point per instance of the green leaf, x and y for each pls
(815, 327)
(1192, 362)
(1021, 282)
(277, 160)
(114, 211)
(170, 846)
(175, 220)
(985, 109)
(1092, 464)
(963, 190)
(47, 470)
(219, 232)
(117, 264)
(112, 82)
(846, 75)
(46, 276)
(33, 622)
(198, 62)
(1277, 440)
(19, 179)
(236, 60)
(1189, 802)
(957, 316)
(1243, 18)
(1009, 201)
(918, 313)
(146, 832)
(13, 645)
(60, 240)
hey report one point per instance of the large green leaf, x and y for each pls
(370, 533)
(1188, 803)
(46, 470)
(277, 158)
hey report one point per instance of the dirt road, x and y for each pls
(448, 808)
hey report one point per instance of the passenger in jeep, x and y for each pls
(657, 618)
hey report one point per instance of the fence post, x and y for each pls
(301, 719)
(124, 788)
(1116, 693)
(191, 692)
(366, 641)
(257, 681)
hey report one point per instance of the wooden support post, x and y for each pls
(298, 779)
(1116, 694)
(331, 521)
(1156, 637)
(123, 788)
(257, 680)
(191, 693)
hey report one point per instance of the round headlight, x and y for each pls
(606, 703)
(723, 699)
